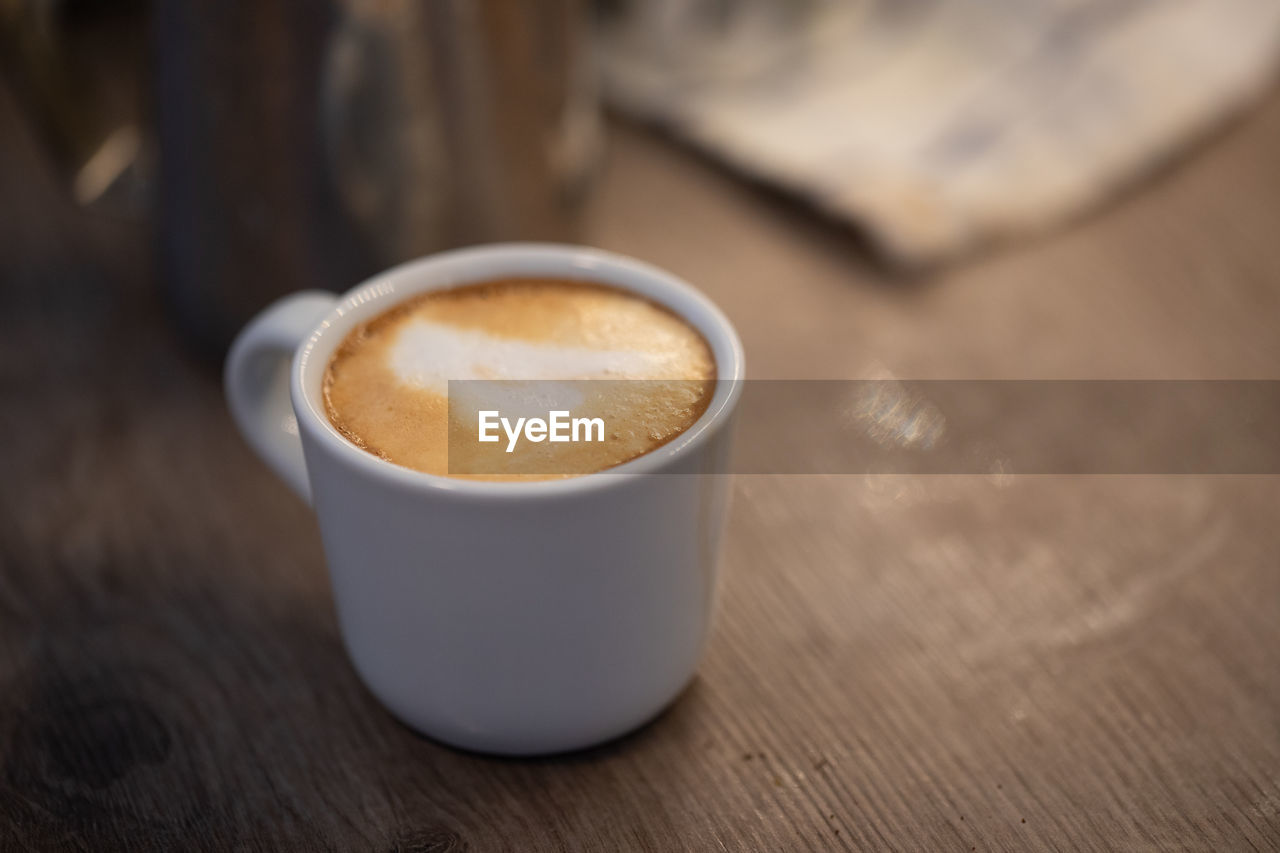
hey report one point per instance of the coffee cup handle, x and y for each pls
(256, 381)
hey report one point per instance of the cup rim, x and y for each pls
(497, 260)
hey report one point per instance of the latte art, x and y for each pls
(386, 388)
(429, 354)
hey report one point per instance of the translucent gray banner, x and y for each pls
(901, 427)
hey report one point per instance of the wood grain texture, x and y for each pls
(900, 663)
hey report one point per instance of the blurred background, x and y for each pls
(270, 147)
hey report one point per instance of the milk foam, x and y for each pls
(428, 354)
(387, 386)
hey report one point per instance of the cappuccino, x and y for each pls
(519, 343)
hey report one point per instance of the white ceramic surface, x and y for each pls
(513, 618)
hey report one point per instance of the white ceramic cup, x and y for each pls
(513, 618)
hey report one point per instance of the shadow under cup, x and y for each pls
(521, 618)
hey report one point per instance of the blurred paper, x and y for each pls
(939, 126)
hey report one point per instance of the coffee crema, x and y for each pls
(386, 387)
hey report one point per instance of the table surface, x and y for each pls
(913, 663)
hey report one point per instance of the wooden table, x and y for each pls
(910, 663)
